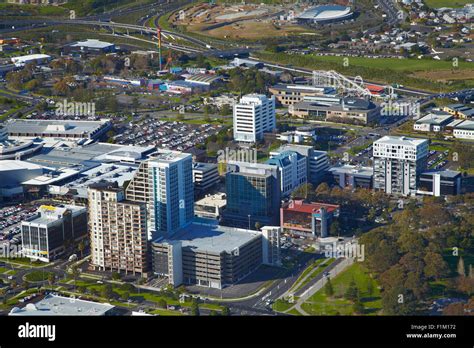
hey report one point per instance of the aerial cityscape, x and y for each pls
(236, 158)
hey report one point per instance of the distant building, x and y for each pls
(65, 129)
(317, 161)
(464, 130)
(118, 231)
(253, 195)
(343, 110)
(440, 183)
(89, 46)
(211, 206)
(30, 59)
(205, 176)
(44, 236)
(300, 135)
(165, 184)
(293, 170)
(459, 111)
(307, 219)
(56, 305)
(292, 94)
(206, 80)
(253, 116)
(398, 162)
(433, 122)
(353, 176)
(214, 256)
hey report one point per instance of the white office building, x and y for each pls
(398, 162)
(165, 184)
(254, 115)
(293, 170)
(317, 162)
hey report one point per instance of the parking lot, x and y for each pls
(169, 134)
(10, 219)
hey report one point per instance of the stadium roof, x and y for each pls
(92, 43)
(326, 13)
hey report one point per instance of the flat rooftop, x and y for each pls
(394, 140)
(168, 156)
(443, 173)
(204, 235)
(58, 127)
(434, 118)
(60, 305)
(348, 169)
(92, 43)
(216, 200)
(313, 207)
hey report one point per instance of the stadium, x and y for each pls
(325, 14)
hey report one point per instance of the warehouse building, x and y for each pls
(89, 46)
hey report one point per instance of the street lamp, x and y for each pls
(249, 221)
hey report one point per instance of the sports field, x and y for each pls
(447, 3)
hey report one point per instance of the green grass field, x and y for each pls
(447, 3)
(37, 276)
(320, 304)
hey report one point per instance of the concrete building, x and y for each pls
(398, 161)
(118, 231)
(89, 46)
(210, 255)
(335, 109)
(293, 170)
(300, 135)
(464, 130)
(307, 219)
(205, 176)
(16, 149)
(44, 236)
(459, 111)
(253, 116)
(440, 183)
(253, 195)
(64, 129)
(56, 305)
(30, 59)
(317, 161)
(433, 122)
(292, 94)
(353, 176)
(271, 243)
(165, 184)
(211, 206)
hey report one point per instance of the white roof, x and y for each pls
(394, 140)
(7, 165)
(29, 57)
(92, 43)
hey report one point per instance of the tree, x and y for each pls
(115, 276)
(162, 303)
(436, 267)
(51, 279)
(81, 246)
(195, 308)
(352, 292)
(125, 296)
(213, 313)
(370, 288)
(328, 289)
(75, 274)
(461, 270)
(358, 307)
(258, 225)
(106, 291)
(226, 311)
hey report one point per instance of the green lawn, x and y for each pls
(166, 312)
(37, 276)
(313, 275)
(320, 304)
(446, 3)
